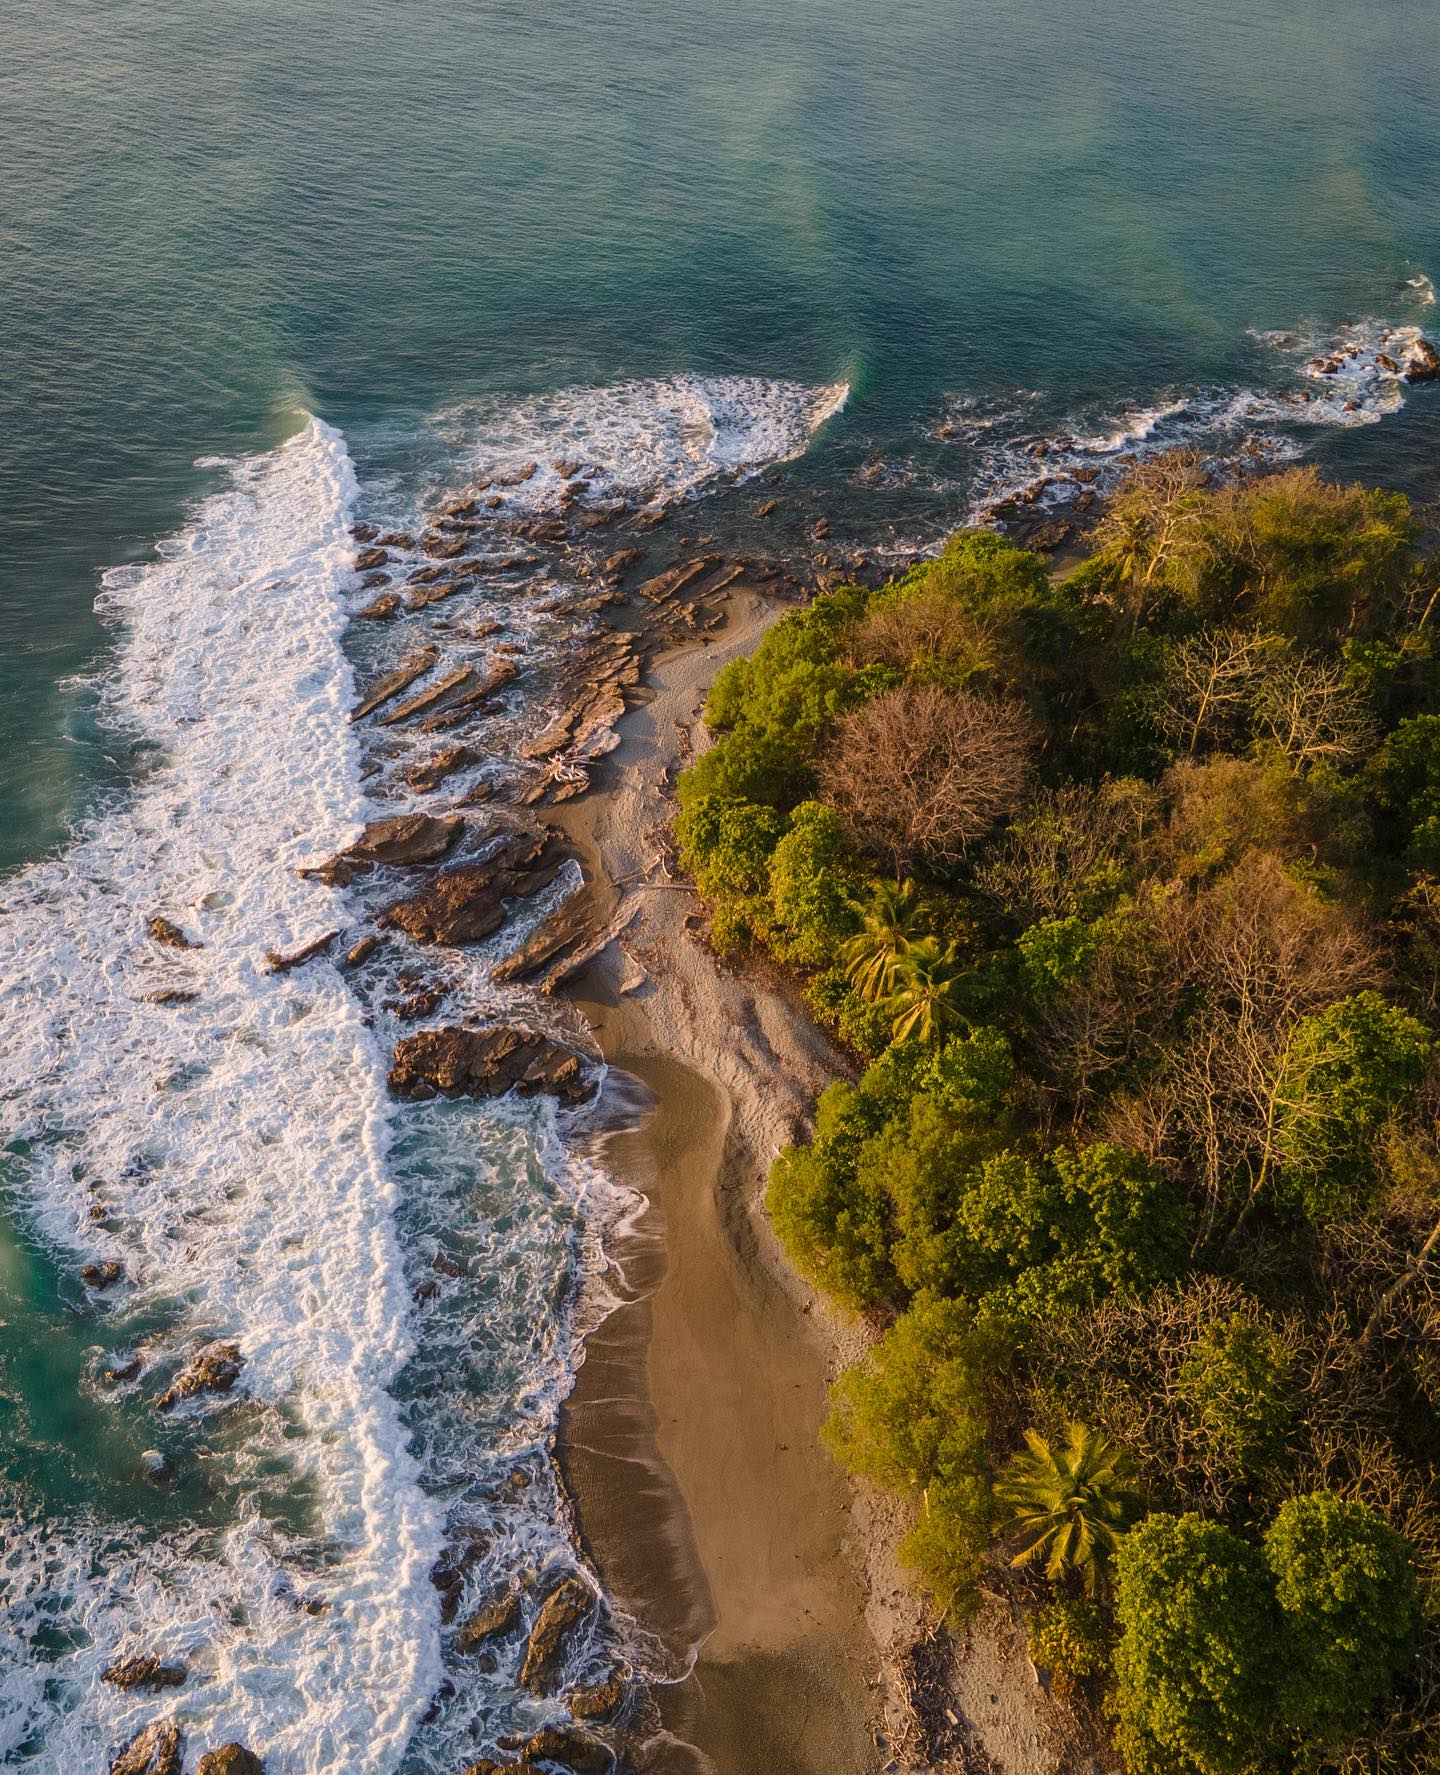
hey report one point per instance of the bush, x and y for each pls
(811, 895)
(726, 845)
(1198, 1660)
(1346, 1070)
(1345, 1581)
(1072, 1637)
(913, 1415)
(1236, 1387)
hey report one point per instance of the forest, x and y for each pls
(1120, 882)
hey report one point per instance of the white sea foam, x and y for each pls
(669, 437)
(236, 1148)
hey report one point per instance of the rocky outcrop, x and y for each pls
(1422, 362)
(486, 1767)
(598, 1701)
(465, 905)
(567, 1747)
(404, 842)
(215, 1370)
(562, 1611)
(433, 770)
(486, 1063)
(497, 1618)
(143, 1673)
(562, 944)
(100, 1275)
(160, 930)
(230, 1759)
(394, 681)
(385, 608)
(155, 1751)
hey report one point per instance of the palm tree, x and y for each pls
(1070, 1505)
(889, 921)
(928, 983)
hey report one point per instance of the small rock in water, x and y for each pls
(493, 1621)
(385, 608)
(1422, 362)
(362, 951)
(230, 1759)
(215, 1370)
(569, 1748)
(155, 1467)
(155, 1751)
(369, 559)
(101, 1275)
(143, 1673)
(161, 930)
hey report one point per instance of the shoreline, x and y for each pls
(689, 1444)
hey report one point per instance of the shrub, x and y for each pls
(1198, 1659)
(1345, 1581)
(811, 896)
(1236, 1387)
(1071, 1637)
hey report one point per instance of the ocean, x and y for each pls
(268, 272)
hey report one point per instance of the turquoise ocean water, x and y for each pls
(451, 231)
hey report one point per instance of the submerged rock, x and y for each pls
(143, 1673)
(568, 1748)
(230, 1759)
(155, 1751)
(493, 1621)
(486, 1063)
(215, 1370)
(562, 1611)
(161, 930)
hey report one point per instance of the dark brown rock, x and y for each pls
(160, 930)
(214, 1370)
(101, 1275)
(385, 608)
(486, 1767)
(369, 559)
(364, 532)
(362, 951)
(127, 1371)
(486, 1063)
(444, 548)
(433, 771)
(171, 995)
(567, 1747)
(621, 562)
(143, 1673)
(230, 1759)
(397, 539)
(402, 842)
(571, 927)
(1422, 362)
(465, 905)
(155, 1751)
(562, 1611)
(458, 682)
(498, 1617)
(276, 963)
(394, 681)
(598, 1701)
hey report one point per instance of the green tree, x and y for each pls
(1199, 1656)
(913, 1416)
(1236, 1387)
(1346, 1069)
(929, 987)
(810, 896)
(891, 918)
(1069, 1503)
(1406, 777)
(1345, 1581)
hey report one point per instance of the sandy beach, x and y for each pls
(689, 1443)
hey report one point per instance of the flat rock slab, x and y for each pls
(155, 1751)
(466, 905)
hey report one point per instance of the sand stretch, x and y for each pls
(690, 1442)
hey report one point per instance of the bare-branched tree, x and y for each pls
(921, 773)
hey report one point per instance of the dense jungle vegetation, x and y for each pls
(1123, 886)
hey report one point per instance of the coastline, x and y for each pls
(689, 1443)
